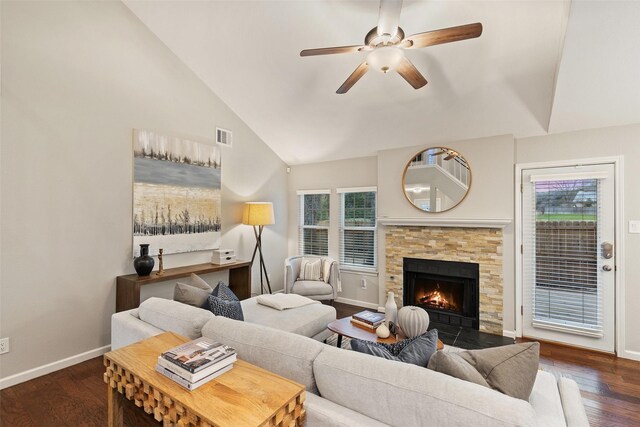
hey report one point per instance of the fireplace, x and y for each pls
(448, 290)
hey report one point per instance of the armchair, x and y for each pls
(314, 289)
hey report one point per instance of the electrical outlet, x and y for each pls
(363, 283)
(4, 345)
(634, 227)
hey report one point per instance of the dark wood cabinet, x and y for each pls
(128, 287)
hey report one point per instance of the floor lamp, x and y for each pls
(259, 214)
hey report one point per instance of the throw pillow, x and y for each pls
(196, 293)
(310, 269)
(226, 308)
(416, 350)
(222, 291)
(510, 369)
(191, 295)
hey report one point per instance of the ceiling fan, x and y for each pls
(386, 42)
(451, 154)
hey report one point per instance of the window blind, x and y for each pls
(313, 228)
(561, 263)
(358, 227)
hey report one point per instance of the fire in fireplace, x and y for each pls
(448, 290)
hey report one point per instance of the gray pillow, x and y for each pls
(416, 350)
(196, 293)
(510, 369)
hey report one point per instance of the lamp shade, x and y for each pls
(258, 213)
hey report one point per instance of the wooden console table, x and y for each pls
(128, 287)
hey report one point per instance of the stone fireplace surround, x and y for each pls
(466, 243)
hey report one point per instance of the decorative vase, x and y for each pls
(383, 331)
(413, 321)
(144, 263)
(390, 310)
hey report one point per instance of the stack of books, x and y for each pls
(368, 319)
(196, 362)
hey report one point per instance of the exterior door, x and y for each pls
(568, 255)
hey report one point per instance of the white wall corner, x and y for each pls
(39, 371)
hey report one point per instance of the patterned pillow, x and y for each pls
(310, 269)
(221, 291)
(226, 308)
(417, 350)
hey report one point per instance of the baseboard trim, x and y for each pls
(357, 303)
(632, 355)
(51, 367)
(509, 334)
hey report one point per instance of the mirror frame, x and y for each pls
(404, 174)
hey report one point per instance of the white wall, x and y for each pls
(614, 141)
(77, 77)
(361, 172)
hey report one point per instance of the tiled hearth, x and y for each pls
(465, 244)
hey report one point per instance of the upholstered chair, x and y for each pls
(314, 289)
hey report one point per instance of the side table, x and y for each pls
(247, 395)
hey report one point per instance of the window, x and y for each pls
(358, 229)
(313, 229)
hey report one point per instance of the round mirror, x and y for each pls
(436, 179)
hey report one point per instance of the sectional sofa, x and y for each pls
(345, 388)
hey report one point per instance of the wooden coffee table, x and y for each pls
(344, 327)
(247, 395)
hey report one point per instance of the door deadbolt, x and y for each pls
(606, 267)
(607, 250)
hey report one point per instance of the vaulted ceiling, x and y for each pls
(539, 67)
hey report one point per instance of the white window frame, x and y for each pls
(302, 226)
(358, 267)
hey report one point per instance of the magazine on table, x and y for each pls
(198, 354)
(191, 385)
(369, 317)
(196, 376)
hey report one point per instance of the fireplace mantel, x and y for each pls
(446, 222)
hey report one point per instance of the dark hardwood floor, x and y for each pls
(77, 396)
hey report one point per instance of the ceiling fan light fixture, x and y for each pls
(385, 58)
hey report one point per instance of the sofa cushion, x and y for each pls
(174, 316)
(309, 320)
(325, 413)
(408, 395)
(311, 287)
(285, 354)
(416, 350)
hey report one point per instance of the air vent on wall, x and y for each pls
(224, 137)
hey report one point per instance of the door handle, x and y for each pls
(607, 250)
(606, 267)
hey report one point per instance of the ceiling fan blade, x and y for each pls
(353, 78)
(445, 35)
(438, 154)
(330, 50)
(411, 74)
(389, 17)
(451, 156)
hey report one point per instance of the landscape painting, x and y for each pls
(176, 194)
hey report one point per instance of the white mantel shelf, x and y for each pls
(447, 222)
